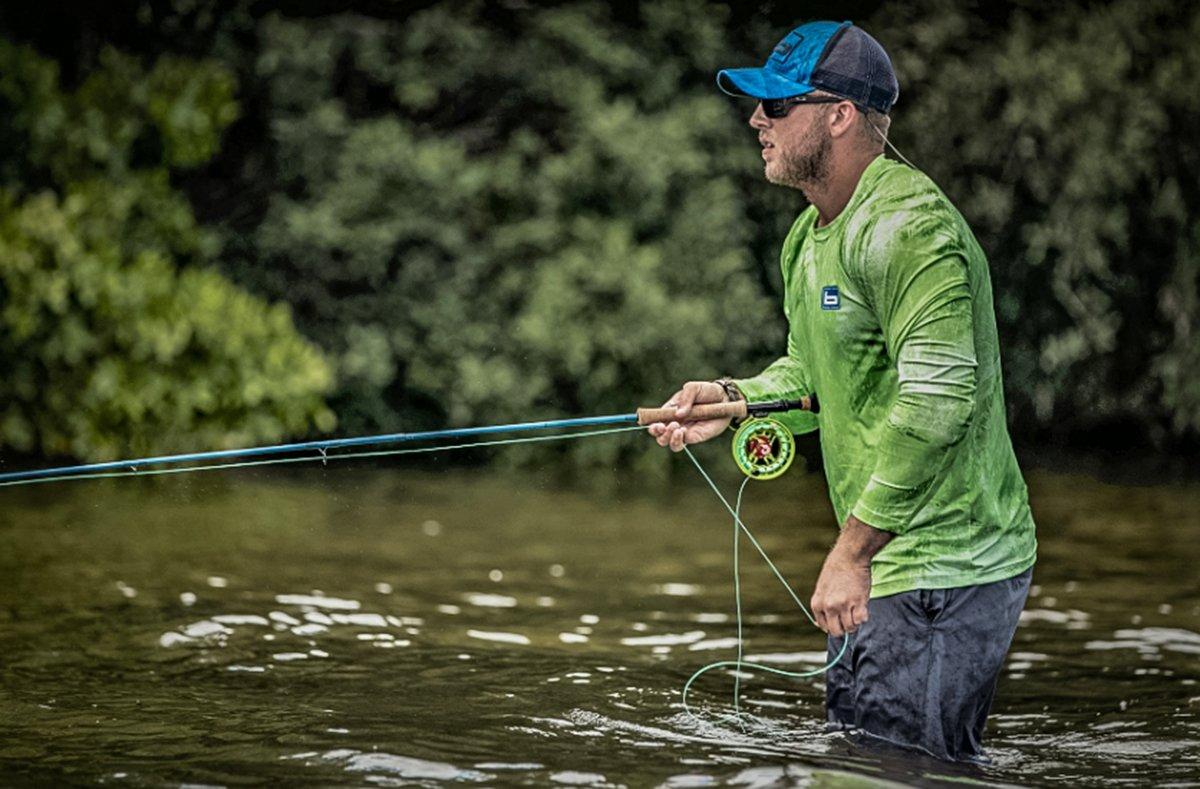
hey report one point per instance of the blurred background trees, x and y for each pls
(493, 211)
(117, 334)
(1068, 140)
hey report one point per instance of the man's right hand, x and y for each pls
(678, 433)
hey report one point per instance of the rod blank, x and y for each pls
(644, 416)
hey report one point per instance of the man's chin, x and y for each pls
(779, 175)
(774, 175)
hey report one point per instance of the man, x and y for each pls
(891, 324)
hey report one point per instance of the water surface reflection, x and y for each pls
(386, 627)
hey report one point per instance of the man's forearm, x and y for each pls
(859, 542)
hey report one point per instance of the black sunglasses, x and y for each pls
(779, 108)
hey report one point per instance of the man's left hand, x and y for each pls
(839, 603)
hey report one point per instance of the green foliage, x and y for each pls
(1068, 140)
(484, 212)
(555, 212)
(120, 118)
(109, 347)
(484, 224)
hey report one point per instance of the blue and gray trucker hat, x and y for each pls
(838, 58)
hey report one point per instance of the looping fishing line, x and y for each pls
(739, 664)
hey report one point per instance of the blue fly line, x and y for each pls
(136, 468)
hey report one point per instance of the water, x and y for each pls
(367, 626)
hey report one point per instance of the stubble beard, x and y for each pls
(807, 166)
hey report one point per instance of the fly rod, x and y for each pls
(737, 410)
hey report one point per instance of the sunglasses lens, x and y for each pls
(774, 108)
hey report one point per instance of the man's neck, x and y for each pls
(831, 196)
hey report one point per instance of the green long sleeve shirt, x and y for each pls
(891, 323)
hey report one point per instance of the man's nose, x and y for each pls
(758, 118)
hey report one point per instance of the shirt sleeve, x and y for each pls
(784, 379)
(914, 275)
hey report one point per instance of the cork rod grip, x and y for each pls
(736, 410)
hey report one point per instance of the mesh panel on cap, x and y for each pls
(858, 68)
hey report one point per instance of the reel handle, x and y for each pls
(700, 412)
(738, 409)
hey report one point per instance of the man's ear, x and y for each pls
(841, 120)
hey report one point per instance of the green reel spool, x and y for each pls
(763, 448)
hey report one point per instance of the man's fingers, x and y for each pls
(851, 617)
(858, 615)
(673, 400)
(837, 625)
(684, 399)
(660, 430)
(818, 612)
(837, 619)
(676, 434)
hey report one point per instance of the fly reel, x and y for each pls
(763, 448)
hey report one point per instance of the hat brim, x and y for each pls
(759, 83)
